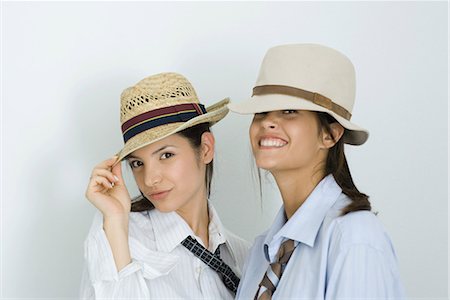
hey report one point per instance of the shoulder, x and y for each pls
(360, 253)
(140, 219)
(236, 240)
(360, 228)
(140, 226)
(136, 220)
(257, 247)
(239, 246)
(140, 230)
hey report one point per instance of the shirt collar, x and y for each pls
(217, 233)
(305, 223)
(171, 229)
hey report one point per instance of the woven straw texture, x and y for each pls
(159, 91)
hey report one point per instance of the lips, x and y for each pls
(159, 195)
(272, 142)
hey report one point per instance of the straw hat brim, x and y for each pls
(214, 114)
(353, 135)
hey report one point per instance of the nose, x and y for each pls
(269, 121)
(152, 177)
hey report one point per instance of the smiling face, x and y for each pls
(287, 140)
(171, 173)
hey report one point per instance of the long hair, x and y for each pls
(336, 164)
(194, 136)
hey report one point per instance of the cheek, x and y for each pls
(176, 171)
(306, 140)
(252, 134)
(139, 178)
(184, 172)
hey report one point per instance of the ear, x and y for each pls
(208, 143)
(336, 131)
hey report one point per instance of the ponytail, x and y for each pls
(336, 164)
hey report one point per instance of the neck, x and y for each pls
(196, 215)
(296, 185)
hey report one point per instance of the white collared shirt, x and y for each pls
(161, 267)
(337, 257)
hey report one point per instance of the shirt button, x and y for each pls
(198, 269)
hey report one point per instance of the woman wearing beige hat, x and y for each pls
(169, 243)
(325, 242)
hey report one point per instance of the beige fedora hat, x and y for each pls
(306, 77)
(161, 105)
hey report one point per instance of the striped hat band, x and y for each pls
(161, 116)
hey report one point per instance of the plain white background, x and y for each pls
(64, 66)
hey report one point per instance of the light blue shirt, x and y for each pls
(337, 257)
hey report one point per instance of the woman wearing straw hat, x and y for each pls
(324, 243)
(172, 243)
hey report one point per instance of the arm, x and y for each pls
(101, 279)
(108, 193)
(116, 230)
(361, 271)
(112, 239)
(111, 273)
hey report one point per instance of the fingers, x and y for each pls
(106, 174)
(106, 164)
(106, 189)
(97, 185)
(101, 181)
(117, 173)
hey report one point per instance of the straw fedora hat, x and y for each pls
(161, 105)
(306, 77)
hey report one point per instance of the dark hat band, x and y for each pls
(161, 116)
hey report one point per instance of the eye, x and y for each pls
(135, 164)
(289, 111)
(166, 155)
(260, 115)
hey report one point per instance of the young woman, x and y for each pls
(169, 243)
(325, 243)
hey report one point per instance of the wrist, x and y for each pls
(116, 222)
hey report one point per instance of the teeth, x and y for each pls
(272, 143)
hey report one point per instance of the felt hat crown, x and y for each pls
(306, 77)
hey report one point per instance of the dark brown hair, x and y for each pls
(336, 164)
(194, 136)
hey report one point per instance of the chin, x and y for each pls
(266, 163)
(165, 208)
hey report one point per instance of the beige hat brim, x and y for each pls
(214, 114)
(353, 135)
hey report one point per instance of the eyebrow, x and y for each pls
(163, 148)
(155, 152)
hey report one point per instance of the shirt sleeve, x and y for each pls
(101, 278)
(361, 271)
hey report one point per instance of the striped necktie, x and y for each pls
(273, 274)
(214, 261)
